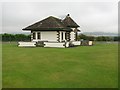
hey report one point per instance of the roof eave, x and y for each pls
(49, 29)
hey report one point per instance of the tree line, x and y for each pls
(15, 37)
(99, 38)
(23, 37)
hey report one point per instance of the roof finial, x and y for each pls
(68, 15)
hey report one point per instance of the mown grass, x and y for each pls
(79, 67)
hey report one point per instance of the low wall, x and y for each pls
(90, 43)
(26, 44)
(55, 44)
(76, 42)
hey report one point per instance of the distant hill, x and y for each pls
(100, 34)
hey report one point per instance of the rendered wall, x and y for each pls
(72, 36)
(49, 36)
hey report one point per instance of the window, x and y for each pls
(38, 35)
(62, 35)
(33, 35)
(65, 35)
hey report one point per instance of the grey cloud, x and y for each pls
(91, 16)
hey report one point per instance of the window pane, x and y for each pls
(38, 35)
(62, 35)
(34, 35)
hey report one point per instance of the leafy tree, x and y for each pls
(82, 36)
(91, 38)
(103, 38)
(117, 38)
(16, 37)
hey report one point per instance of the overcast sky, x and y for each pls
(91, 16)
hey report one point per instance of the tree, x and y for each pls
(82, 36)
(16, 37)
(117, 38)
(103, 38)
(91, 38)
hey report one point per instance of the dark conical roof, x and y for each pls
(69, 22)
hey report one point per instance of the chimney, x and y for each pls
(68, 15)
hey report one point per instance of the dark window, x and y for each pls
(76, 36)
(66, 36)
(62, 35)
(34, 35)
(38, 35)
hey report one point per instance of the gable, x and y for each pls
(69, 22)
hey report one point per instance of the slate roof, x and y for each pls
(69, 22)
(52, 24)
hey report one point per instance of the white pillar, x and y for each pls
(72, 36)
(36, 35)
(60, 36)
(31, 36)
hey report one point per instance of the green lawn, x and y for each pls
(79, 67)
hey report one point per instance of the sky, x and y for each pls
(90, 16)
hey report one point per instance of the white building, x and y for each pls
(52, 29)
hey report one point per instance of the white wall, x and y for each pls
(52, 36)
(49, 35)
(54, 44)
(72, 36)
(76, 42)
(26, 44)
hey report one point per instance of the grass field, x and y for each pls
(79, 67)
